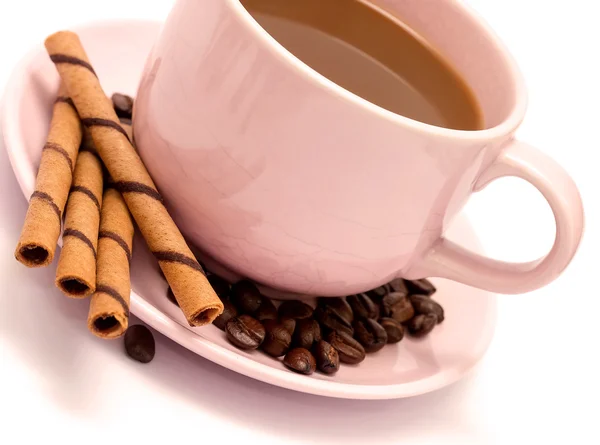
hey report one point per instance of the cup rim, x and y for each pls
(506, 127)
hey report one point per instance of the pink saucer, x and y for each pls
(118, 51)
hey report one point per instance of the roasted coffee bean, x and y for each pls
(266, 311)
(229, 312)
(349, 350)
(363, 306)
(245, 332)
(277, 339)
(123, 105)
(402, 311)
(340, 305)
(425, 305)
(295, 309)
(246, 297)
(395, 330)
(378, 305)
(421, 287)
(290, 325)
(171, 297)
(220, 286)
(421, 325)
(317, 333)
(370, 334)
(389, 301)
(307, 333)
(331, 320)
(328, 360)
(139, 343)
(379, 292)
(398, 285)
(300, 360)
(397, 306)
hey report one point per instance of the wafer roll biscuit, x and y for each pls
(109, 306)
(194, 294)
(76, 271)
(41, 229)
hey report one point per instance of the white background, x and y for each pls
(539, 379)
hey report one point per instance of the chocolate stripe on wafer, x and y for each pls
(137, 187)
(46, 197)
(114, 294)
(41, 228)
(120, 241)
(193, 292)
(57, 148)
(63, 58)
(99, 122)
(65, 100)
(174, 257)
(86, 191)
(77, 234)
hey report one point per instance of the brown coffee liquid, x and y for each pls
(374, 55)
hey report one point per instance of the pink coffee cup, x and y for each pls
(286, 178)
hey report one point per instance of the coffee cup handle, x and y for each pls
(447, 259)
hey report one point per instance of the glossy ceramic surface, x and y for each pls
(118, 51)
(284, 177)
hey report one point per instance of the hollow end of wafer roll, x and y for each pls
(34, 255)
(194, 294)
(75, 287)
(206, 316)
(108, 325)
